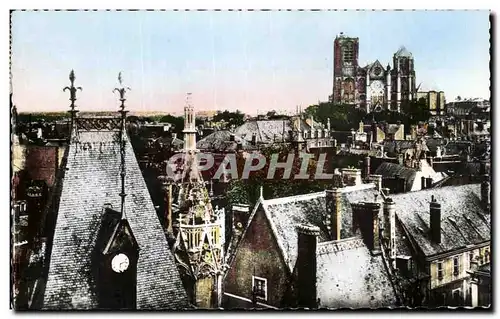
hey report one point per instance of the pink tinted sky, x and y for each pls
(252, 61)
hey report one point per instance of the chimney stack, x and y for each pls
(370, 225)
(231, 137)
(486, 192)
(423, 181)
(306, 265)
(366, 167)
(254, 139)
(377, 180)
(334, 213)
(390, 229)
(428, 182)
(435, 211)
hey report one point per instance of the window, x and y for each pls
(440, 270)
(471, 259)
(457, 297)
(259, 287)
(456, 266)
(487, 256)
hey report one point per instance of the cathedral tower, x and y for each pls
(403, 78)
(345, 67)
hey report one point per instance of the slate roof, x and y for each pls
(412, 175)
(403, 52)
(464, 221)
(348, 276)
(91, 180)
(390, 146)
(220, 140)
(266, 130)
(287, 213)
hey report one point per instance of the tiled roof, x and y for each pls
(287, 213)
(348, 276)
(412, 176)
(91, 180)
(266, 130)
(390, 146)
(403, 52)
(220, 140)
(464, 221)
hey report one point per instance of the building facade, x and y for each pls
(372, 87)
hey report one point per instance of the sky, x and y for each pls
(250, 61)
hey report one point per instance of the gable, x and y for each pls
(258, 254)
(122, 239)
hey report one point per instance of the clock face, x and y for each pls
(120, 263)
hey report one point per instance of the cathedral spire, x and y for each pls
(122, 90)
(72, 97)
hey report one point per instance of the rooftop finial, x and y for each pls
(121, 90)
(123, 133)
(72, 96)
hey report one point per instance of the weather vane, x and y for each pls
(121, 90)
(72, 89)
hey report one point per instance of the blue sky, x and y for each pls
(252, 61)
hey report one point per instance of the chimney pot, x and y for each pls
(486, 192)
(306, 261)
(334, 209)
(389, 234)
(435, 222)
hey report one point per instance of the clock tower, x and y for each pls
(117, 273)
(118, 250)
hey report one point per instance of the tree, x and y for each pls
(248, 190)
(342, 117)
(232, 118)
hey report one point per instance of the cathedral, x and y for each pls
(372, 87)
(197, 226)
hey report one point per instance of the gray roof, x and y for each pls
(464, 221)
(403, 52)
(412, 176)
(220, 140)
(348, 276)
(266, 130)
(92, 179)
(289, 212)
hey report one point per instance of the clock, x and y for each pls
(120, 263)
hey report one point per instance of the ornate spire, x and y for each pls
(72, 97)
(189, 125)
(122, 90)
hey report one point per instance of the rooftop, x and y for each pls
(92, 179)
(464, 221)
